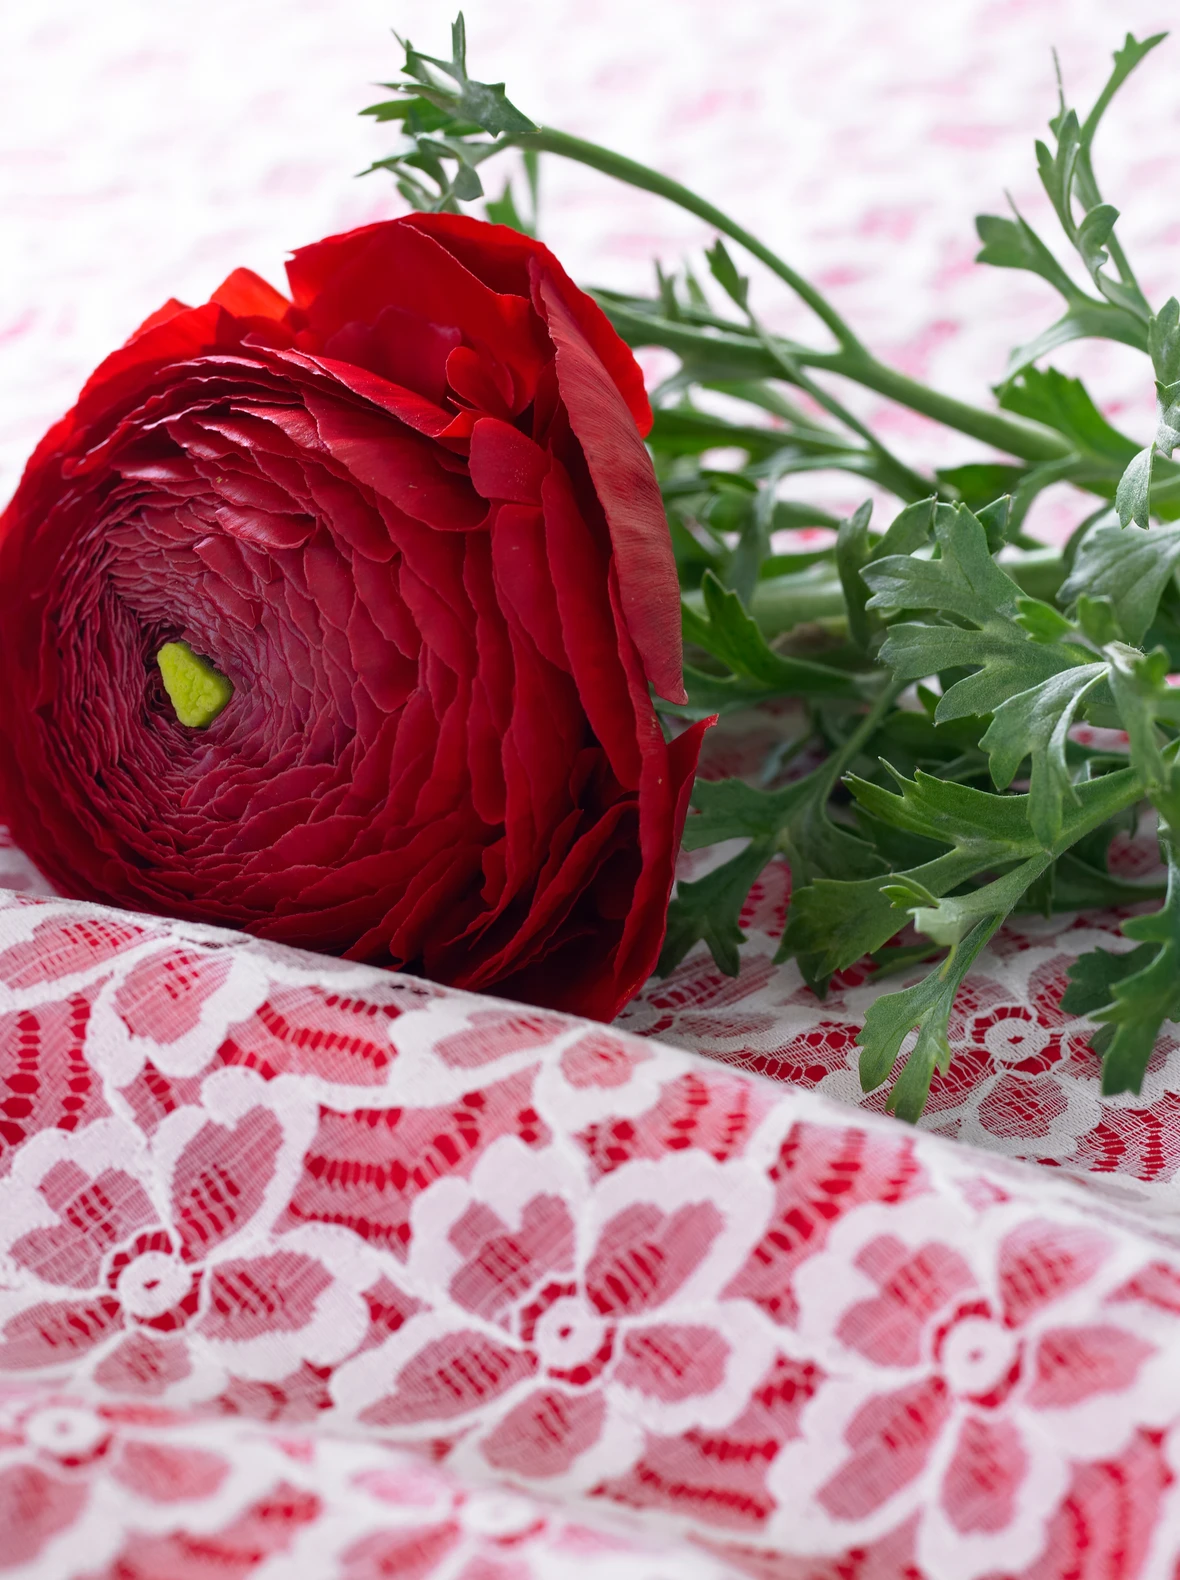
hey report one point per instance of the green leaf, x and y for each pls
(503, 211)
(1036, 723)
(1079, 886)
(990, 826)
(1125, 60)
(979, 483)
(909, 530)
(1129, 565)
(732, 636)
(1009, 662)
(485, 103)
(1138, 683)
(1050, 397)
(948, 921)
(1133, 498)
(1163, 342)
(1086, 320)
(833, 922)
(709, 909)
(1093, 976)
(926, 1007)
(853, 552)
(732, 809)
(723, 269)
(964, 581)
(998, 521)
(994, 828)
(1013, 244)
(725, 694)
(1142, 995)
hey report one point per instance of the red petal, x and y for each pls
(626, 485)
(501, 258)
(248, 295)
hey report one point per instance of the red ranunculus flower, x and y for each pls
(409, 518)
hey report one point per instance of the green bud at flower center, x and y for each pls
(196, 690)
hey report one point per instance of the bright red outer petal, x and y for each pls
(175, 338)
(352, 278)
(626, 485)
(501, 256)
(248, 295)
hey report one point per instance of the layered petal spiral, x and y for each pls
(400, 539)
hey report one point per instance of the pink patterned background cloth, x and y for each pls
(308, 1269)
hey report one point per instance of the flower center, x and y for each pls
(153, 1284)
(65, 1430)
(568, 1334)
(197, 691)
(977, 1355)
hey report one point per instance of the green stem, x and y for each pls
(829, 772)
(736, 356)
(547, 140)
(1028, 440)
(1016, 435)
(911, 485)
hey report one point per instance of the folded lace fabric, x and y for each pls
(270, 1221)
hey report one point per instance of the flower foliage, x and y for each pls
(932, 778)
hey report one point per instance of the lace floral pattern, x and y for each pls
(254, 1197)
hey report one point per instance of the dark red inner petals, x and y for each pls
(381, 513)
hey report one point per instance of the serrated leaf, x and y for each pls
(1013, 244)
(1009, 662)
(503, 211)
(965, 581)
(1036, 723)
(833, 922)
(1050, 397)
(732, 635)
(948, 921)
(1129, 565)
(1092, 977)
(732, 809)
(1143, 998)
(996, 827)
(998, 520)
(709, 909)
(954, 814)
(1163, 342)
(1079, 886)
(1094, 232)
(980, 483)
(926, 1007)
(1098, 620)
(1042, 621)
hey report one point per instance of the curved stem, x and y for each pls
(550, 141)
(739, 356)
(1031, 441)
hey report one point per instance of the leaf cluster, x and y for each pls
(925, 682)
